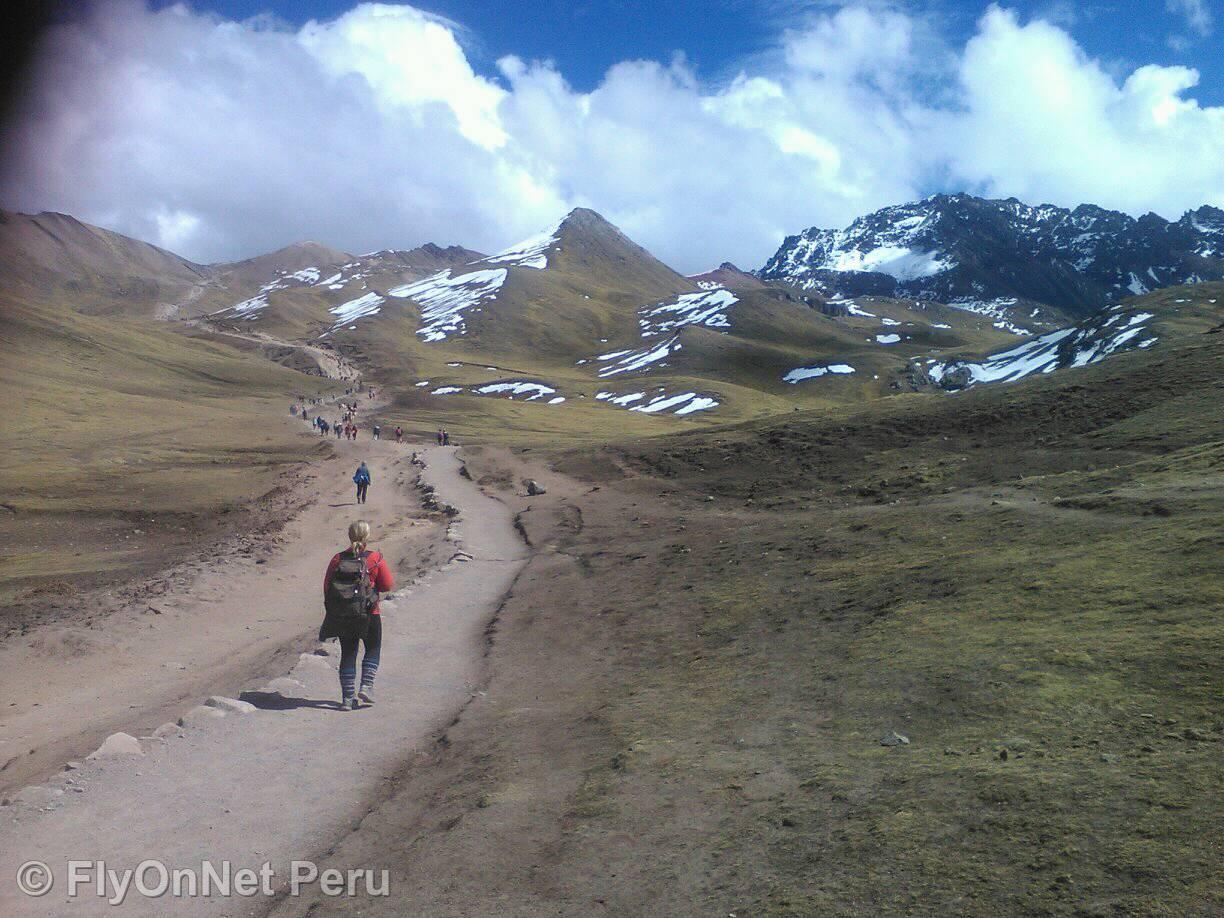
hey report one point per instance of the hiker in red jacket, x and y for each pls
(381, 581)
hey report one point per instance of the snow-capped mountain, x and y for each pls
(980, 253)
(1137, 324)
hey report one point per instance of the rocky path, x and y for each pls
(284, 780)
(308, 358)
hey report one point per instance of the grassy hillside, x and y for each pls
(112, 420)
(51, 255)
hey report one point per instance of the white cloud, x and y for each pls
(1041, 121)
(1198, 17)
(410, 59)
(221, 139)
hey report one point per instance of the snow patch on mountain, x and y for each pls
(305, 275)
(799, 374)
(531, 252)
(513, 388)
(707, 307)
(853, 308)
(359, 308)
(251, 308)
(661, 402)
(903, 263)
(1077, 346)
(1000, 310)
(628, 361)
(445, 300)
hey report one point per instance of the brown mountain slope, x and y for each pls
(729, 276)
(95, 270)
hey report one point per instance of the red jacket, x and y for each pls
(380, 573)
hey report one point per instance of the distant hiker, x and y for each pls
(439, 436)
(445, 438)
(376, 431)
(399, 435)
(362, 479)
(324, 428)
(337, 430)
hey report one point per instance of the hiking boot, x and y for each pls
(366, 695)
(350, 704)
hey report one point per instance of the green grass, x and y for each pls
(1023, 580)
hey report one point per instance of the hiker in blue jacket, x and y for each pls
(362, 480)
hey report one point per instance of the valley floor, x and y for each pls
(939, 655)
(697, 691)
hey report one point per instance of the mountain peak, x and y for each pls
(727, 275)
(292, 257)
(584, 219)
(973, 251)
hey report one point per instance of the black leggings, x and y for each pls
(369, 661)
(361, 492)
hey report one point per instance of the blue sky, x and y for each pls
(586, 37)
(706, 131)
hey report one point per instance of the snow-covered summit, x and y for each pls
(967, 249)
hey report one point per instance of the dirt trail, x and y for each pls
(287, 780)
(329, 363)
(67, 688)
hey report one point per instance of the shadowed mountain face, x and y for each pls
(968, 250)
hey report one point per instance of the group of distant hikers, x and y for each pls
(357, 576)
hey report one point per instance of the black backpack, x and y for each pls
(350, 596)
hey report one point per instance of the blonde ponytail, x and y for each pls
(359, 535)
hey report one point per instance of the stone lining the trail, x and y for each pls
(230, 705)
(117, 744)
(200, 715)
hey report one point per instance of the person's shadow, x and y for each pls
(275, 701)
(350, 504)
